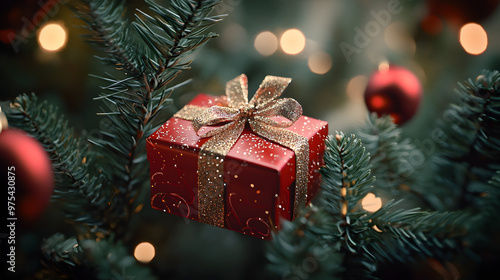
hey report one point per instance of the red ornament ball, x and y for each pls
(26, 174)
(393, 91)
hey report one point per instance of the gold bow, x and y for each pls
(257, 113)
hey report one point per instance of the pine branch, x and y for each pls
(335, 226)
(338, 225)
(346, 181)
(346, 175)
(78, 185)
(111, 33)
(89, 259)
(470, 142)
(409, 235)
(393, 160)
(486, 225)
(298, 249)
(154, 57)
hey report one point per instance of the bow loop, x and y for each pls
(237, 91)
(271, 88)
(259, 113)
(288, 108)
(214, 115)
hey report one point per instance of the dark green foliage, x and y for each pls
(346, 166)
(100, 180)
(396, 163)
(486, 226)
(150, 55)
(90, 259)
(302, 249)
(405, 235)
(391, 161)
(356, 238)
(78, 185)
(469, 142)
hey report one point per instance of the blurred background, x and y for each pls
(329, 49)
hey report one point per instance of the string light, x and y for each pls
(52, 37)
(144, 252)
(320, 62)
(292, 41)
(266, 43)
(383, 66)
(371, 203)
(473, 38)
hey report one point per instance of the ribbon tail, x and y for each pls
(211, 184)
(300, 145)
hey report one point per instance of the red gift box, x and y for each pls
(259, 175)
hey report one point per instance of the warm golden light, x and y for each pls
(371, 203)
(52, 37)
(144, 252)
(473, 38)
(293, 41)
(266, 43)
(320, 63)
(383, 66)
(376, 228)
(356, 86)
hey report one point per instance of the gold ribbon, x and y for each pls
(258, 113)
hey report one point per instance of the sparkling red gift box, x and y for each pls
(259, 175)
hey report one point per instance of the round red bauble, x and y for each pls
(26, 174)
(393, 91)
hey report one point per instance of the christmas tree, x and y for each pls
(411, 191)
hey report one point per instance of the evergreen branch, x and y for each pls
(110, 32)
(389, 154)
(391, 159)
(346, 175)
(89, 259)
(346, 181)
(338, 225)
(77, 184)
(486, 224)
(470, 142)
(132, 104)
(302, 250)
(403, 234)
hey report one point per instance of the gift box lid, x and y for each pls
(250, 147)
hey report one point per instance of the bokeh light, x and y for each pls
(371, 203)
(383, 66)
(266, 43)
(293, 41)
(320, 62)
(144, 252)
(473, 38)
(355, 88)
(52, 37)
